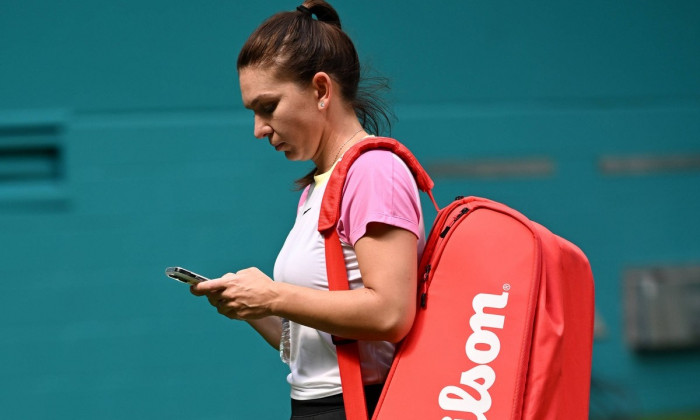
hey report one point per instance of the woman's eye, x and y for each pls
(268, 109)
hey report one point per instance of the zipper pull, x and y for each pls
(424, 287)
(464, 211)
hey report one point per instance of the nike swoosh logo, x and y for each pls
(306, 211)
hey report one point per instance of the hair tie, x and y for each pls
(305, 10)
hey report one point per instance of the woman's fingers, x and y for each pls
(237, 296)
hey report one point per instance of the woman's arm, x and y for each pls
(383, 310)
(270, 328)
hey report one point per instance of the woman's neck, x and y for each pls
(337, 143)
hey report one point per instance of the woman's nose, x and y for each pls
(262, 128)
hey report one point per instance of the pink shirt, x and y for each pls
(379, 188)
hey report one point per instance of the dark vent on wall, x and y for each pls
(30, 153)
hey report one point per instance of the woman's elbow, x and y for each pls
(394, 328)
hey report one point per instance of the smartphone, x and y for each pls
(184, 275)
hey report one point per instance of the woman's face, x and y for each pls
(286, 113)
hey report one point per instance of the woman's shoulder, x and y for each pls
(379, 161)
(375, 159)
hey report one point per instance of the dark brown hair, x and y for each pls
(297, 46)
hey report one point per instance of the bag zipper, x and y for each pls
(464, 211)
(425, 281)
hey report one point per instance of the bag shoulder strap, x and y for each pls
(347, 350)
(330, 208)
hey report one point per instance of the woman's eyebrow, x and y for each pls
(253, 103)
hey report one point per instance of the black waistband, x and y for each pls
(321, 405)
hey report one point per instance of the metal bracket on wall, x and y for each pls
(646, 164)
(662, 307)
(522, 167)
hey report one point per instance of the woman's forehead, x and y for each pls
(254, 82)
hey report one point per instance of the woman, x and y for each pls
(300, 76)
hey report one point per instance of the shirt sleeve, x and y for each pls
(379, 188)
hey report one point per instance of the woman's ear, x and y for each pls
(323, 88)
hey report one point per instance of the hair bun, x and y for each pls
(324, 12)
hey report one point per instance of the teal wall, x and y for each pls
(124, 149)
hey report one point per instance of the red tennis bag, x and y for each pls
(504, 327)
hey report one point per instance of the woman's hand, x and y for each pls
(246, 295)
